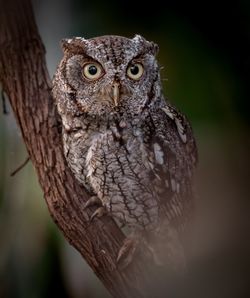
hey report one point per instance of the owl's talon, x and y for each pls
(127, 251)
(94, 200)
(98, 213)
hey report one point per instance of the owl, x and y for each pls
(125, 143)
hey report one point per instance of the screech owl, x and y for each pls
(130, 148)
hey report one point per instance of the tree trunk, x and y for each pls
(24, 78)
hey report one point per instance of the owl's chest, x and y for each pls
(107, 148)
(118, 166)
(118, 155)
(111, 146)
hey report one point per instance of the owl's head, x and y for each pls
(105, 75)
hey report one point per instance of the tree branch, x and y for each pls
(25, 80)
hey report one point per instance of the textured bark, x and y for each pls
(25, 80)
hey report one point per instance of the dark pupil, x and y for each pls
(92, 70)
(134, 69)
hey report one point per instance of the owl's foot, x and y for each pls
(127, 251)
(92, 201)
(98, 213)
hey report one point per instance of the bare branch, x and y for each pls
(5, 112)
(19, 168)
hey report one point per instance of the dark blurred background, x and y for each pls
(205, 51)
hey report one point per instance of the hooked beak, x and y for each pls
(116, 93)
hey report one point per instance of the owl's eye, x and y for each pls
(135, 71)
(92, 71)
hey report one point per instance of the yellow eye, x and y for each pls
(92, 71)
(135, 71)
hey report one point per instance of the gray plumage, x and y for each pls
(136, 154)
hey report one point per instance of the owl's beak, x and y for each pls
(116, 93)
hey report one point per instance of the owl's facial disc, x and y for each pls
(111, 74)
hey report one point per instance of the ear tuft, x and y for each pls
(154, 48)
(150, 46)
(69, 44)
(139, 39)
(65, 43)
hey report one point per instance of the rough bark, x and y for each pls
(24, 78)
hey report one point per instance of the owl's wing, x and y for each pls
(175, 156)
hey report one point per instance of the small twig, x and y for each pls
(4, 103)
(20, 167)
